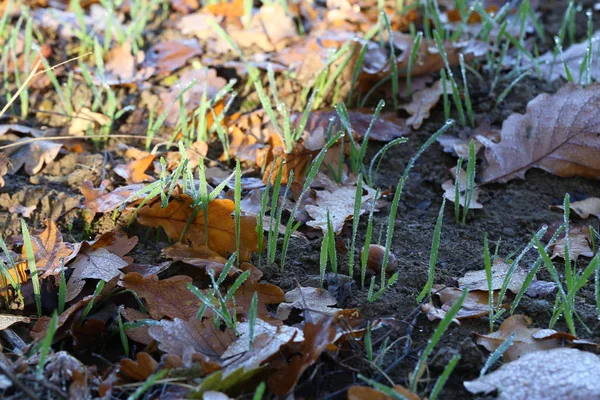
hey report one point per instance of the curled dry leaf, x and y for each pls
(544, 375)
(422, 103)
(476, 280)
(86, 119)
(474, 306)
(221, 226)
(579, 244)
(6, 320)
(450, 190)
(558, 133)
(167, 297)
(193, 340)
(135, 171)
(144, 365)
(314, 302)
(584, 208)
(524, 341)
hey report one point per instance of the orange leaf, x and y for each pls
(49, 250)
(221, 226)
(134, 171)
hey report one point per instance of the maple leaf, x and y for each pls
(221, 226)
(167, 297)
(551, 374)
(50, 251)
(193, 340)
(558, 133)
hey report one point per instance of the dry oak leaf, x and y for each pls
(96, 264)
(193, 340)
(339, 204)
(221, 225)
(267, 341)
(140, 334)
(98, 201)
(449, 188)
(474, 306)
(165, 298)
(144, 365)
(367, 393)
(476, 280)
(524, 341)
(317, 337)
(32, 156)
(135, 171)
(315, 302)
(422, 103)
(555, 374)
(170, 55)
(50, 251)
(579, 244)
(558, 133)
(584, 208)
(86, 119)
(198, 255)
(267, 294)
(122, 67)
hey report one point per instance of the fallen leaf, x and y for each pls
(97, 264)
(584, 208)
(134, 171)
(6, 320)
(86, 119)
(474, 306)
(97, 200)
(3, 167)
(122, 67)
(140, 334)
(552, 65)
(198, 255)
(317, 337)
(339, 204)
(449, 188)
(422, 103)
(32, 156)
(185, 6)
(49, 250)
(523, 342)
(476, 280)
(552, 374)
(192, 340)
(267, 341)
(221, 226)
(558, 133)
(167, 297)
(267, 294)
(170, 55)
(314, 302)
(144, 365)
(579, 244)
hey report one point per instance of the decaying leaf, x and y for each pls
(558, 133)
(97, 200)
(524, 341)
(33, 156)
(192, 340)
(550, 375)
(584, 208)
(221, 226)
(476, 280)
(579, 244)
(474, 306)
(315, 302)
(144, 365)
(422, 103)
(450, 190)
(167, 297)
(267, 293)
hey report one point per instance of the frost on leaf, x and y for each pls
(552, 374)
